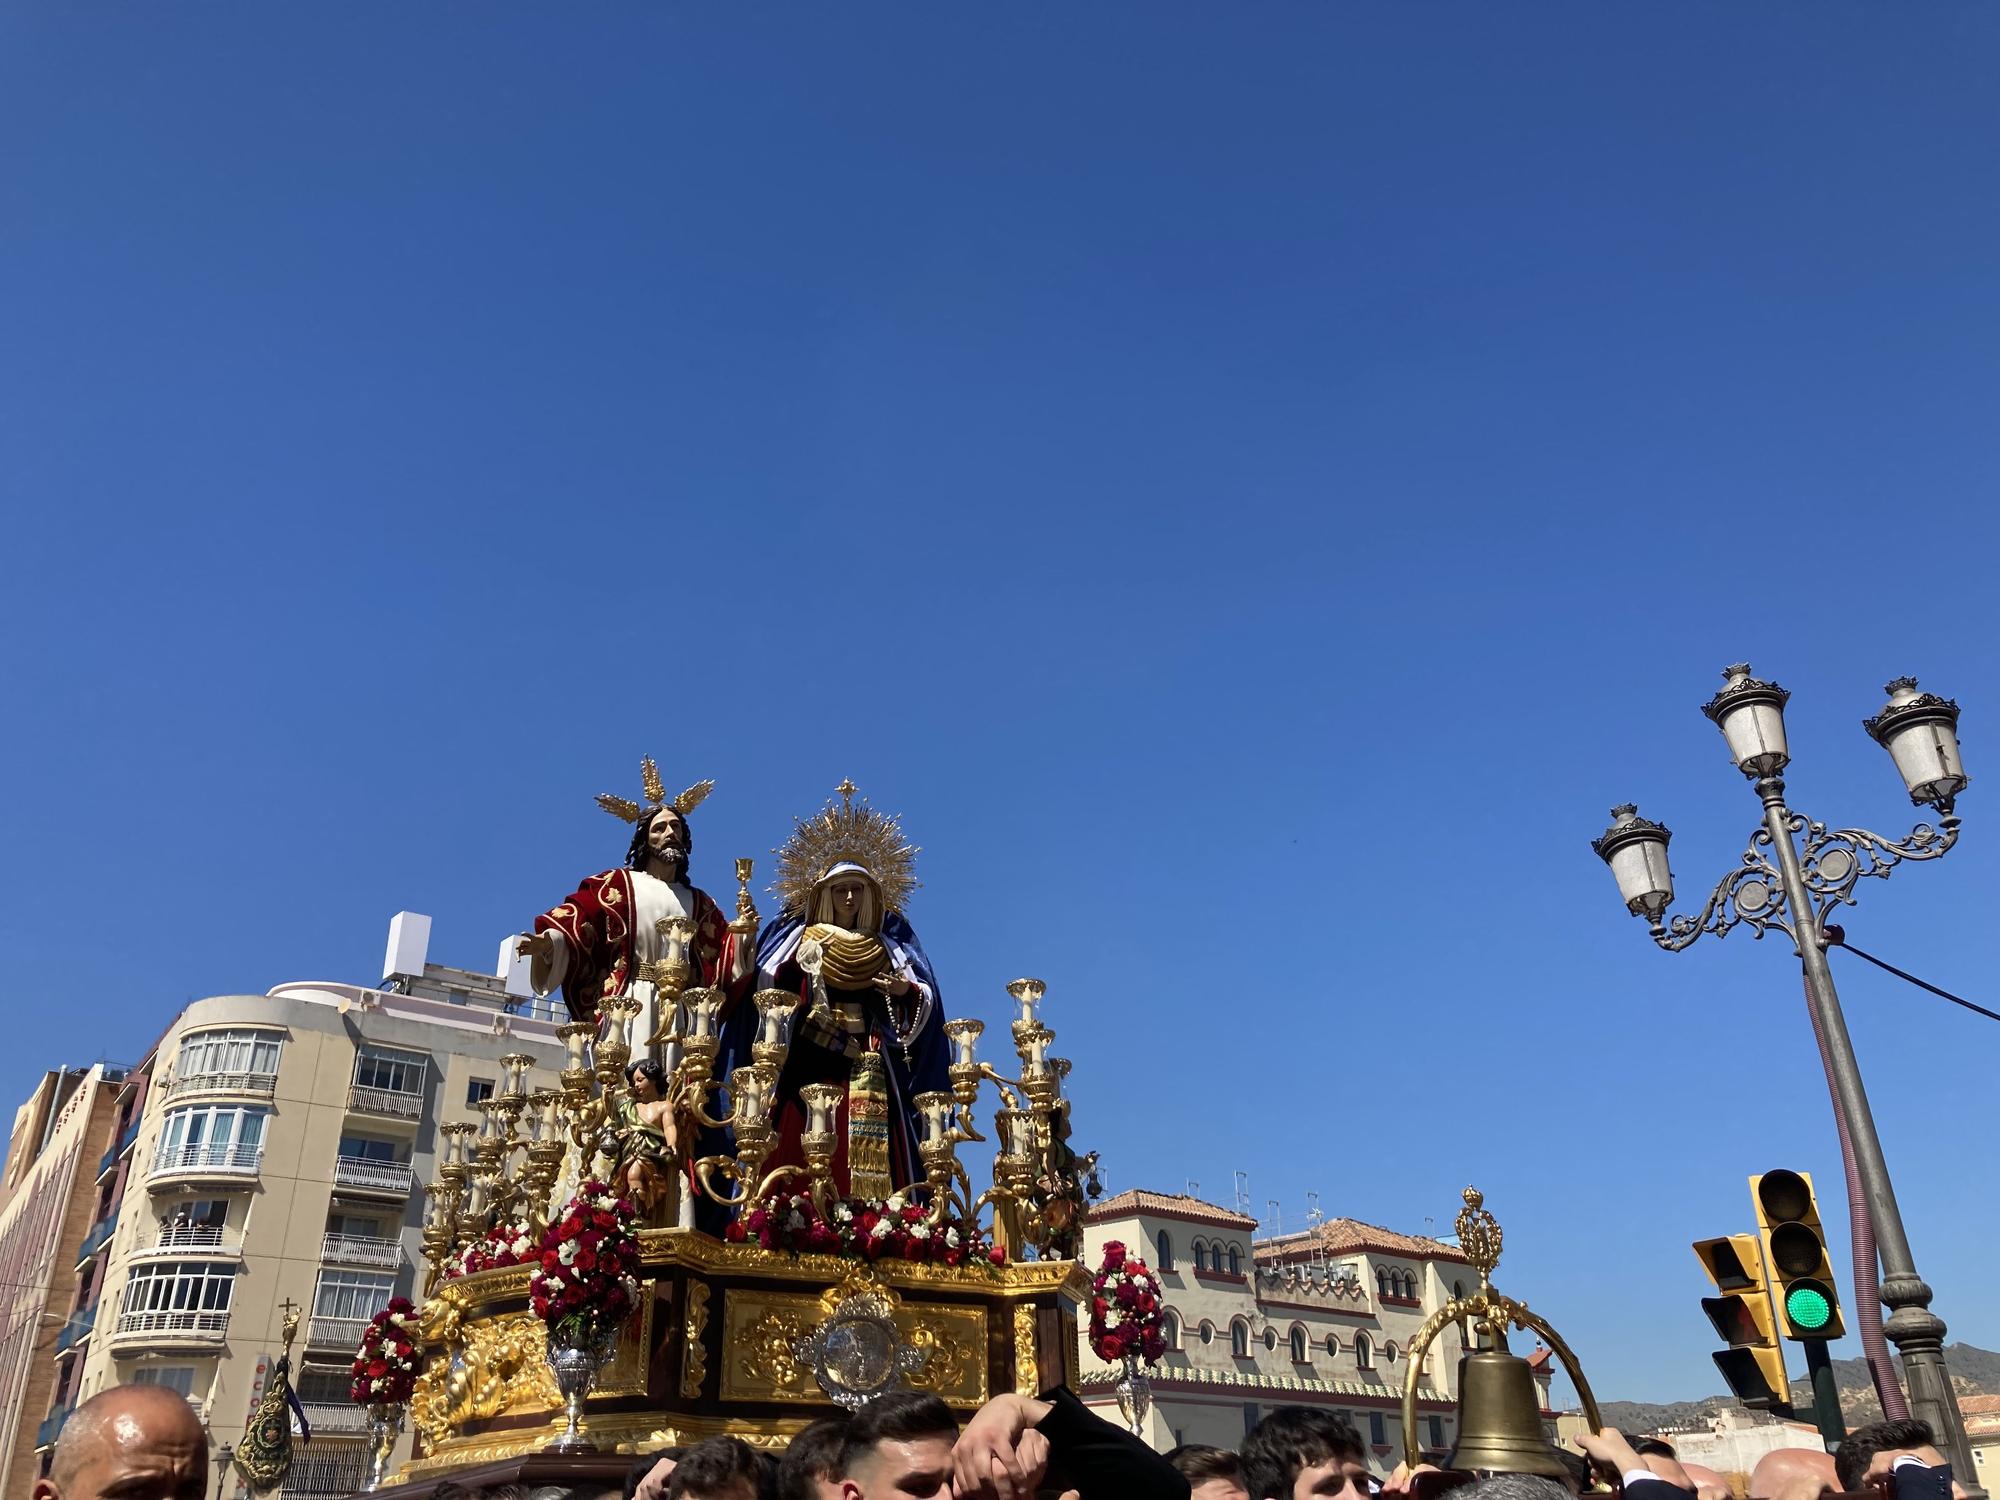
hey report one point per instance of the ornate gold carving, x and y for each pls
(759, 1327)
(628, 811)
(500, 1366)
(764, 1358)
(694, 1353)
(1027, 1377)
(700, 1252)
(949, 1361)
(870, 839)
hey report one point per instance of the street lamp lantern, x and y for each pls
(1751, 716)
(1920, 732)
(1636, 850)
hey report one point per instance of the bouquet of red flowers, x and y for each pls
(587, 1281)
(386, 1363)
(503, 1245)
(866, 1230)
(1125, 1311)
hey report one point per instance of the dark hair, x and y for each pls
(1292, 1439)
(641, 1467)
(650, 1069)
(899, 1417)
(1651, 1447)
(636, 855)
(813, 1455)
(1851, 1458)
(713, 1466)
(1578, 1467)
(1198, 1461)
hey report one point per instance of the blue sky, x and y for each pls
(1251, 485)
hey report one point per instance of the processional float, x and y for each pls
(766, 1297)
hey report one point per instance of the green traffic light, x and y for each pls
(1808, 1307)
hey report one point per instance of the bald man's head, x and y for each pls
(1782, 1466)
(132, 1442)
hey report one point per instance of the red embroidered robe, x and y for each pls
(597, 923)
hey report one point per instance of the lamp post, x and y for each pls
(224, 1456)
(1793, 875)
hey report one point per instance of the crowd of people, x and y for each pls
(144, 1442)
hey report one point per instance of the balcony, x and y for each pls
(53, 1424)
(339, 1419)
(124, 1143)
(223, 1083)
(76, 1330)
(145, 1329)
(335, 1333)
(189, 1239)
(191, 1163)
(393, 1104)
(361, 1250)
(99, 1236)
(362, 1175)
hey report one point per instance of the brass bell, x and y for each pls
(1500, 1419)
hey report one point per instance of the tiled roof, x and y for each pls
(1979, 1406)
(1174, 1205)
(1353, 1234)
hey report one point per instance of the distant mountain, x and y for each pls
(1974, 1371)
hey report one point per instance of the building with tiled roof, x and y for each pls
(1323, 1317)
(1982, 1434)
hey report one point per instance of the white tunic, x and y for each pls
(653, 901)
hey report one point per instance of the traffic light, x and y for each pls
(1795, 1249)
(1754, 1363)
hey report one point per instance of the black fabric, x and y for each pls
(1101, 1461)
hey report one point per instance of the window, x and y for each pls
(1364, 1355)
(1207, 1331)
(392, 1072)
(1239, 1339)
(1437, 1430)
(478, 1090)
(172, 1288)
(1299, 1354)
(1270, 1340)
(1235, 1265)
(1200, 1255)
(365, 1148)
(198, 1213)
(1163, 1251)
(1377, 1433)
(323, 1385)
(355, 1226)
(177, 1378)
(1333, 1346)
(208, 1053)
(351, 1294)
(1458, 1290)
(212, 1135)
(1389, 1351)
(1382, 1288)
(1170, 1329)
(340, 1470)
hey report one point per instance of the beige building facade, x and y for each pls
(276, 1153)
(1322, 1318)
(48, 1200)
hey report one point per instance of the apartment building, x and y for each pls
(275, 1152)
(48, 1200)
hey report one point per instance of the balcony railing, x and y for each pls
(392, 1102)
(335, 1333)
(179, 1327)
(119, 1147)
(77, 1329)
(52, 1424)
(191, 1239)
(99, 1236)
(206, 1161)
(223, 1083)
(361, 1250)
(336, 1417)
(372, 1176)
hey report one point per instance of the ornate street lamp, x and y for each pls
(1793, 876)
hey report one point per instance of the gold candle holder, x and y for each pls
(1027, 994)
(964, 1036)
(614, 1047)
(776, 1012)
(576, 1071)
(514, 1070)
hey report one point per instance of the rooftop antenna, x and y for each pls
(1277, 1218)
(1243, 1194)
(1313, 1215)
(1193, 1188)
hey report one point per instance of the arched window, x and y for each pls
(1333, 1346)
(1207, 1331)
(1458, 1290)
(1163, 1251)
(1239, 1339)
(1364, 1354)
(1271, 1340)
(1299, 1352)
(1170, 1329)
(1389, 1351)
(1409, 1283)
(1382, 1288)
(1235, 1265)
(1201, 1255)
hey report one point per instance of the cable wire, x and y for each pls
(1839, 940)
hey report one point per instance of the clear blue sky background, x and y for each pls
(1251, 485)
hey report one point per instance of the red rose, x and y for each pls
(997, 1255)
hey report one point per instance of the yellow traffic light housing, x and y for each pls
(1754, 1363)
(1794, 1245)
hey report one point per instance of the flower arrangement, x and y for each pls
(386, 1363)
(505, 1244)
(888, 1229)
(586, 1281)
(1125, 1311)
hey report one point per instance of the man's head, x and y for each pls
(1783, 1467)
(1870, 1450)
(661, 845)
(898, 1447)
(132, 1442)
(1211, 1473)
(717, 1468)
(1512, 1487)
(1299, 1452)
(810, 1469)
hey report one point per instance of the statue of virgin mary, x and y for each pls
(870, 1016)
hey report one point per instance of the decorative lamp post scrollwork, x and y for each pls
(1794, 875)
